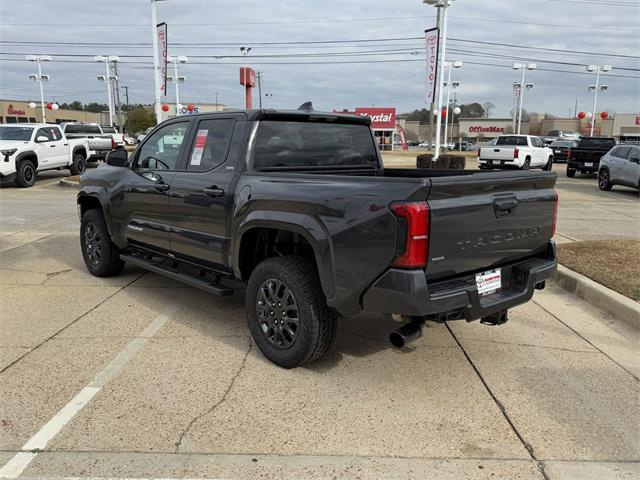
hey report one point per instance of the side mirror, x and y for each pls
(117, 158)
(41, 139)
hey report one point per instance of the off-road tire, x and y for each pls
(108, 263)
(79, 164)
(317, 324)
(604, 180)
(571, 172)
(26, 174)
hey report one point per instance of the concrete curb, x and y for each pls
(618, 306)
(68, 183)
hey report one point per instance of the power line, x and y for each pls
(385, 19)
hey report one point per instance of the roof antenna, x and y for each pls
(306, 106)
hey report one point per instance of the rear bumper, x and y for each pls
(490, 163)
(407, 292)
(583, 167)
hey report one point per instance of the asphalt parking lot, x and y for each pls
(140, 376)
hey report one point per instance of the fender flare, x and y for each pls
(78, 148)
(103, 205)
(26, 153)
(310, 228)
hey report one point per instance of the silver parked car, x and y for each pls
(620, 166)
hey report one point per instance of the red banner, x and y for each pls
(381, 118)
(403, 138)
(161, 31)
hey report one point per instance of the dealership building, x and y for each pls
(621, 126)
(383, 124)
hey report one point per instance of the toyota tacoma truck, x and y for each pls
(585, 158)
(516, 151)
(297, 208)
(99, 143)
(26, 149)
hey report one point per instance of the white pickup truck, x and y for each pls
(26, 149)
(516, 151)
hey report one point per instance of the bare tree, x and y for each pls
(487, 107)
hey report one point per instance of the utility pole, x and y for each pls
(117, 94)
(259, 76)
(126, 97)
(217, 108)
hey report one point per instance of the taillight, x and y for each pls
(569, 154)
(479, 152)
(516, 153)
(555, 214)
(413, 219)
(113, 144)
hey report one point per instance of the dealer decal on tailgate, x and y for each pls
(489, 282)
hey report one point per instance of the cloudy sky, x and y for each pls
(340, 70)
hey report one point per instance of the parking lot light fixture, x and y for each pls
(107, 79)
(442, 5)
(177, 79)
(519, 87)
(597, 69)
(450, 85)
(40, 78)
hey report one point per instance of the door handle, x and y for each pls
(52, 146)
(161, 187)
(214, 191)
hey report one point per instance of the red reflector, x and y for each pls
(416, 215)
(516, 153)
(555, 214)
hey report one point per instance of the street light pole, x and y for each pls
(259, 78)
(126, 97)
(597, 69)
(445, 6)
(176, 78)
(450, 66)
(523, 87)
(40, 78)
(107, 78)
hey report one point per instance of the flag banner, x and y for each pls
(432, 37)
(161, 31)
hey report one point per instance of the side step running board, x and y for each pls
(214, 288)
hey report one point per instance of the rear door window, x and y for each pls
(281, 144)
(211, 146)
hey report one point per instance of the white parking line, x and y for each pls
(21, 460)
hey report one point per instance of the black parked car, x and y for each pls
(561, 149)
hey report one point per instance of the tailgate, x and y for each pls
(580, 155)
(497, 153)
(482, 220)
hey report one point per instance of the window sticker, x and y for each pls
(201, 141)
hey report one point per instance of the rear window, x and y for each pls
(83, 129)
(597, 142)
(109, 130)
(512, 140)
(563, 143)
(308, 144)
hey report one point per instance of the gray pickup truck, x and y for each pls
(99, 143)
(298, 209)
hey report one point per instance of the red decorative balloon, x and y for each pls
(604, 115)
(190, 107)
(49, 106)
(165, 107)
(581, 115)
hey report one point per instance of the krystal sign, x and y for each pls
(381, 118)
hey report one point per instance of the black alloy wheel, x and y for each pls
(93, 244)
(278, 314)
